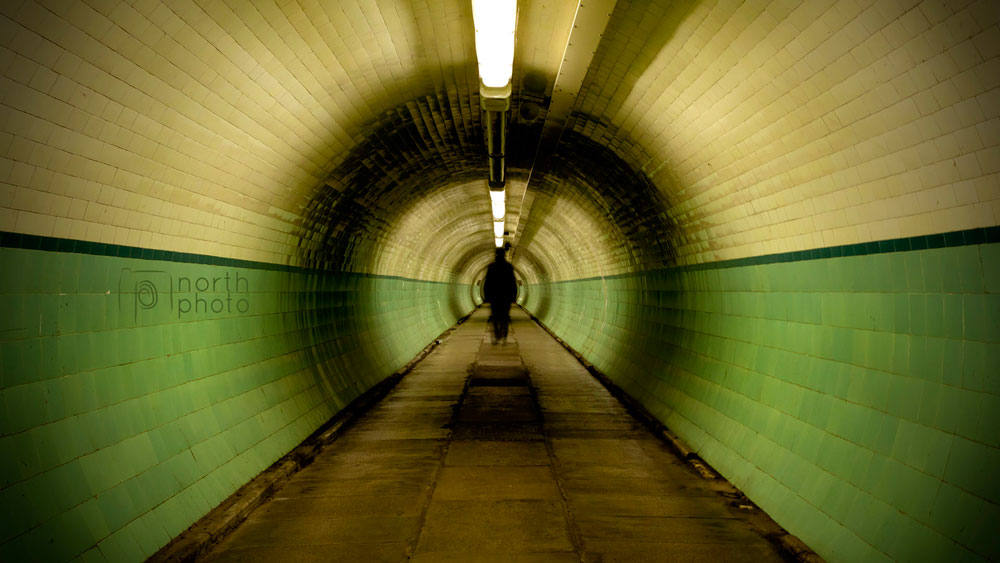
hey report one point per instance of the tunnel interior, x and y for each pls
(775, 225)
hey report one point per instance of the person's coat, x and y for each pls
(500, 285)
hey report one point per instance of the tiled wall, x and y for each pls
(208, 128)
(854, 393)
(138, 393)
(769, 126)
(781, 126)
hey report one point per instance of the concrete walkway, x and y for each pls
(497, 454)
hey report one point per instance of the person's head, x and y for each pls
(499, 255)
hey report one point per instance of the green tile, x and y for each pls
(914, 272)
(990, 261)
(875, 389)
(927, 357)
(914, 541)
(952, 356)
(905, 397)
(982, 315)
(954, 508)
(901, 312)
(894, 272)
(918, 314)
(79, 529)
(933, 311)
(989, 421)
(902, 344)
(958, 410)
(930, 262)
(121, 546)
(950, 269)
(980, 535)
(868, 515)
(968, 268)
(965, 467)
(953, 314)
(880, 350)
(93, 555)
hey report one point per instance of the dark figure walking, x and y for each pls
(500, 290)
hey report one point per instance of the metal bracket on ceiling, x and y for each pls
(589, 23)
(495, 102)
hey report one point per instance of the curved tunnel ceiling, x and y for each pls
(345, 135)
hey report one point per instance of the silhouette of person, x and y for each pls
(500, 290)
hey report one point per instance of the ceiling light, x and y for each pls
(494, 21)
(497, 203)
(498, 241)
(498, 228)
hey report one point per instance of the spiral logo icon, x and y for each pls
(145, 294)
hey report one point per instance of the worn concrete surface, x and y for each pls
(489, 453)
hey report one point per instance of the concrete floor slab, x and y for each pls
(496, 483)
(630, 485)
(312, 530)
(600, 451)
(620, 503)
(659, 552)
(419, 432)
(381, 552)
(357, 443)
(495, 526)
(480, 557)
(382, 457)
(492, 452)
(598, 421)
(382, 467)
(500, 431)
(576, 471)
(284, 508)
(665, 529)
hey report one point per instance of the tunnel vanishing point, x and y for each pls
(773, 224)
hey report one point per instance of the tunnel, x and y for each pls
(774, 225)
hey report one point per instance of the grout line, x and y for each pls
(426, 505)
(572, 528)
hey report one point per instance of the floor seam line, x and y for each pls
(456, 408)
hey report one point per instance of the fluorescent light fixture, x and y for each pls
(498, 241)
(497, 202)
(498, 228)
(494, 21)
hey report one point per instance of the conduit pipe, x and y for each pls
(496, 137)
